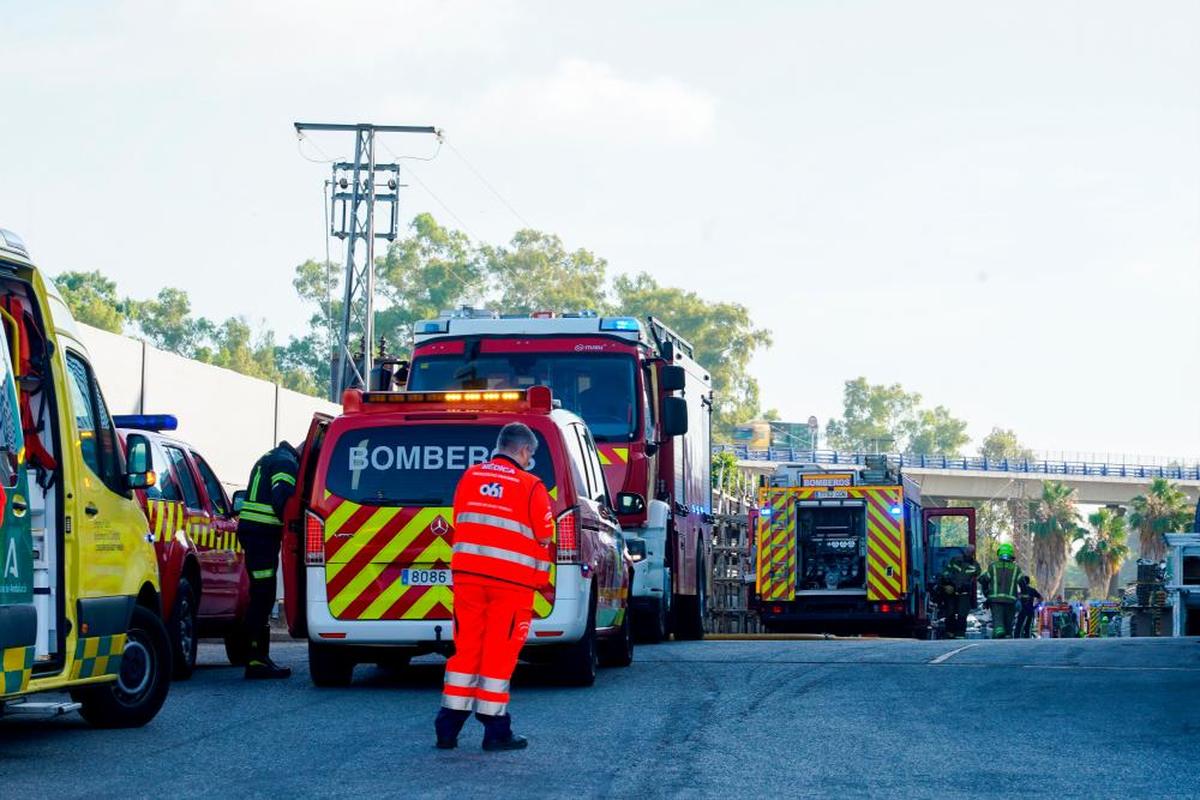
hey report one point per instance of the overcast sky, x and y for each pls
(994, 204)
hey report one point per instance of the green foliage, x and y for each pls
(1054, 525)
(879, 418)
(167, 323)
(1103, 551)
(1164, 508)
(1003, 444)
(723, 335)
(92, 299)
(536, 272)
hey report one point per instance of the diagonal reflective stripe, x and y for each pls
(503, 555)
(456, 703)
(494, 685)
(282, 477)
(461, 679)
(489, 708)
(495, 522)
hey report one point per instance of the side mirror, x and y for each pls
(671, 378)
(139, 462)
(630, 503)
(674, 419)
(10, 468)
(239, 500)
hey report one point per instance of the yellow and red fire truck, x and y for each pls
(851, 549)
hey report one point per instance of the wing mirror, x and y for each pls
(630, 503)
(139, 462)
(239, 500)
(671, 378)
(674, 421)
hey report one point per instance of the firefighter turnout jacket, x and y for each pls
(272, 482)
(1001, 581)
(503, 524)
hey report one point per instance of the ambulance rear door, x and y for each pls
(295, 586)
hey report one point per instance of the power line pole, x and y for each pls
(355, 189)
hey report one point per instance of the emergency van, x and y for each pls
(368, 534)
(80, 607)
(205, 587)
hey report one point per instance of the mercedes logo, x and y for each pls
(439, 526)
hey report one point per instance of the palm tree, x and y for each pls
(1162, 509)
(1054, 525)
(1103, 552)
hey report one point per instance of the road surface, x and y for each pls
(894, 719)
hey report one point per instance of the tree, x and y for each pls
(1012, 513)
(1164, 508)
(887, 418)
(167, 322)
(1103, 552)
(1054, 526)
(536, 272)
(722, 334)
(93, 300)
(1002, 445)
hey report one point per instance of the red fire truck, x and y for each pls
(649, 407)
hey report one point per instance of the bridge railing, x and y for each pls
(1039, 466)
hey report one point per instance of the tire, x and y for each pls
(328, 667)
(182, 627)
(689, 608)
(650, 624)
(577, 664)
(143, 682)
(617, 651)
(237, 647)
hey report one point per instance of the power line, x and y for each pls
(301, 139)
(489, 185)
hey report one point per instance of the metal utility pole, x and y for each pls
(355, 189)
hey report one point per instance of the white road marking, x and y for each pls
(947, 656)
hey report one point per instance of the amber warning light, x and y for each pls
(535, 398)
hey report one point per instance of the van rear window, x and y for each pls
(415, 465)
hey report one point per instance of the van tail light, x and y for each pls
(568, 536)
(314, 539)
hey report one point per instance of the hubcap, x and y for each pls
(136, 670)
(187, 631)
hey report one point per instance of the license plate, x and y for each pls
(425, 577)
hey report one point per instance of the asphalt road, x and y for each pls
(894, 719)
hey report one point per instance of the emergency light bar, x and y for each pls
(535, 398)
(146, 422)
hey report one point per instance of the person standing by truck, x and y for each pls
(260, 531)
(956, 591)
(1029, 598)
(1000, 586)
(503, 523)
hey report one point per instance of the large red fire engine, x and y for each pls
(649, 406)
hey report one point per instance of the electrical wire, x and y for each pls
(301, 139)
(489, 185)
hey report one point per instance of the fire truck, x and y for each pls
(852, 550)
(648, 403)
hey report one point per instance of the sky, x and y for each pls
(994, 204)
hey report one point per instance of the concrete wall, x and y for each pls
(230, 418)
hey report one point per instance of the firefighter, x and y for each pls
(503, 523)
(1029, 597)
(1000, 586)
(955, 593)
(260, 531)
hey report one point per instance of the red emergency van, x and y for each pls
(367, 539)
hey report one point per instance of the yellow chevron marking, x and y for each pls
(338, 517)
(541, 606)
(384, 601)
(622, 454)
(877, 592)
(553, 493)
(424, 603)
(363, 535)
(355, 587)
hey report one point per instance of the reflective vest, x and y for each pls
(503, 524)
(960, 573)
(1003, 577)
(272, 482)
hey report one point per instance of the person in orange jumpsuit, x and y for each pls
(503, 524)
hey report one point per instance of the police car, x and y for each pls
(367, 541)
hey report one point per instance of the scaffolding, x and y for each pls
(731, 571)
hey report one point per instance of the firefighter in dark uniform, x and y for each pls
(260, 532)
(955, 591)
(1000, 585)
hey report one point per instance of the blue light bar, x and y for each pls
(146, 422)
(620, 324)
(897, 511)
(432, 326)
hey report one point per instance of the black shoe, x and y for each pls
(447, 744)
(514, 742)
(265, 669)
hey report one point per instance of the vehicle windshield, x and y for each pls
(415, 465)
(599, 388)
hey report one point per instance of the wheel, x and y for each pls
(182, 627)
(329, 667)
(141, 686)
(689, 608)
(617, 651)
(650, 624)
(577, 664)
(237, 647)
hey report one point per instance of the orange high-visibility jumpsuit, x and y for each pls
(503, 524)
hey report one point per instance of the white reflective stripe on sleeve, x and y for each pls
(461, 679)
(495, 522)
(503, 555)
(491, 709)
(494, 685)
(456, 703)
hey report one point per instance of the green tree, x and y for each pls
(880, 418)
(167, 322)
(536, 272)
(1002, 444)
(1009, 515)
(93, 300)
(1054, 525)
(1164, 508)
(722, 334)
(1103, 552)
